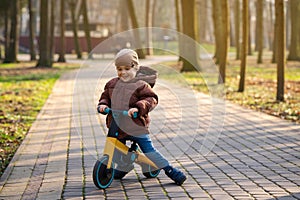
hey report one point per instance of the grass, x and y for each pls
(260, 86)
(23, 91)
(260, 93)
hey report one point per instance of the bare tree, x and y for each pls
(274, 55)
(73, 4)
(216, 10)
(270, 25)
(178, 27)
(249, 31)
(148, 13)
(135, 25)
(154, 5)
(32, 16)
(279, 10)
(202, 16)
(86, 27)
(62, 48)
(224, 40)
(287, 24)
(237, 27)
(12, 49)
(244, 46)
(189, 28)
(52, 29)
(123, 16)
(221, 30)
(44, 38)
(5, 8)
(259, 26)
(294, 51)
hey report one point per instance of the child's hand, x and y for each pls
(101, 108)
(131, 111)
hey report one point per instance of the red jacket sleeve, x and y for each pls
(105, 96)
(147, 101)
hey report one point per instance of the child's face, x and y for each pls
(126, 73)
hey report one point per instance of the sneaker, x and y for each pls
(121, 171)
(176, 175)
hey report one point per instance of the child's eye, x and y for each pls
(127, 68)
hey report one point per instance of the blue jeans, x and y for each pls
(145, 144)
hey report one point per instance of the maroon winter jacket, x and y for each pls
(136, 93)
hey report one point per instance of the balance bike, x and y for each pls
(104, 168)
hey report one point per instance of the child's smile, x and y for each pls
(126, 73)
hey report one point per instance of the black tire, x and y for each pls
(102, 176)
(149, 171)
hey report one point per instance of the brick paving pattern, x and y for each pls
(256, 156)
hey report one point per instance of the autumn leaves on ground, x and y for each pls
(260, 92)
(260, 87)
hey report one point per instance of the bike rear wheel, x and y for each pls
(102, 176)
(149, 171)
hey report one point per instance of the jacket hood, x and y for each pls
(147, 74)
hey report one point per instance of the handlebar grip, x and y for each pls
(107, 110)
(134, 116)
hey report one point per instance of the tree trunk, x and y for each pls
(44, 38)
(72, 4)
(32, 16)
(249, 31)
(124, 22)
(231, 31)
(274, 55)
(62, 49)
(154, 11)
(6, 31)
(237, 27)
(259, 22)
(149, 49)
(270, 26)
(86, 27)
(287, 24)
(279, 9)
(7, 26)
(294, 51)
(134, 22)
(202, 28)
(224, 40)
(189, 28)
(244, 46)
(216, 13)
(12, 50)
(179, 28)
(52, 30)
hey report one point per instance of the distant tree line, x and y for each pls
(229, 20)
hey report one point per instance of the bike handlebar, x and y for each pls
(123, 112)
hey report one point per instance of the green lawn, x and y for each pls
(23, 91)
(260, 89)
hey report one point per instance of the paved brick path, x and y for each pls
(256, 156)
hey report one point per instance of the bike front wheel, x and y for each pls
(102, 176)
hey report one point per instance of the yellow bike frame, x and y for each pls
(113, 143)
